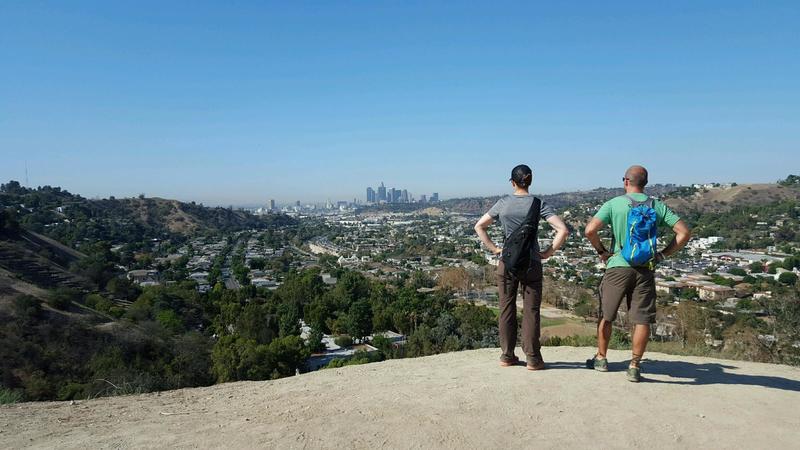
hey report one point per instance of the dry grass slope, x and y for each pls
(723, 199)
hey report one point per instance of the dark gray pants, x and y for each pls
(508, 285)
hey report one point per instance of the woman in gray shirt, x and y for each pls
(511, 211)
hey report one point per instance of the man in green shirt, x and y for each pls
(635, 284)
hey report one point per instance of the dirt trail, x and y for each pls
(456, 400)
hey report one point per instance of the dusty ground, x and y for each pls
(457, 400)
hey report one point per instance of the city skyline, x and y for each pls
(384, 194)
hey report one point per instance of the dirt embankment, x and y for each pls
(456, 400)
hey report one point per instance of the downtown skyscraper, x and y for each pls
(395, 195)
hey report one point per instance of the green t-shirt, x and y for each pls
(615, 212)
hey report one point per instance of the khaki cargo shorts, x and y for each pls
(637, 286)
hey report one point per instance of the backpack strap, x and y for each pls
(634, 203)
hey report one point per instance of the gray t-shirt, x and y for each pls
(511, 210)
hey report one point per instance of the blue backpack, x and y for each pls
(639, 247)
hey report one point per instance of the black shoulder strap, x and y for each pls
(533, 213)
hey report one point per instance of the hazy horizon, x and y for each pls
(360, 199)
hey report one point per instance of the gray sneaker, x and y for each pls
(598, 364)
(634, 374)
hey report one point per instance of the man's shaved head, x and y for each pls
(637, 176)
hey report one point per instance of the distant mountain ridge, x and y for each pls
(711, 198)
(479, 205)
(70, 218)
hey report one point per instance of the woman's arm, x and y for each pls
(480, 228)
(561, 236)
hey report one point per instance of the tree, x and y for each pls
(691, 323)
(454, 278)
(170, 320)
(192, 360)
(315, 344)
(737, 271)
(289, 319)
(791, 262)
(352, 286)
(788, 278)
(287, 355)
(8, 221)
(258, 263)
(359, 319)
(756, 267)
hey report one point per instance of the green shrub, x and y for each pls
(61, 298)
(343, 341)
(72, 391)
(360, 357)
(9, 396)
(91, 300)
(27, 307)
(570, 341)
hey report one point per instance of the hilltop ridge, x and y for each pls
(453, 400)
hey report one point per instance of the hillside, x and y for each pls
(454, 400)
(72, 219)
(40, 260)
(723, 199)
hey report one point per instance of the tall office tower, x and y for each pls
(404, 196)
(423, 198)
(370, 195)
(297, 203)
(381, 193)
(435, 197)
(390, 195)
(272, 204)
(396, 196)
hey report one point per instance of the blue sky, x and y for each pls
(238, 102)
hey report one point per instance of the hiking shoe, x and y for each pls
(598, 364)
(535, 363)
(505, 361)
(634, 374)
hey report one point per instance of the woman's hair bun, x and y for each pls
(522, 175)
